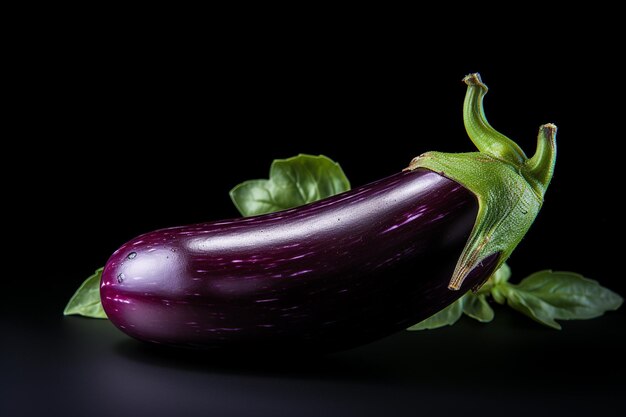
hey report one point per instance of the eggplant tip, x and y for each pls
(474, 79)
(549, 128)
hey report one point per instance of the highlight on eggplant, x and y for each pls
(342, 271)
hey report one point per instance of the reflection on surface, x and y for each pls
(87, 367)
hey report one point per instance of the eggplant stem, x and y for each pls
(540, 168)
(509, 186)
(486, 138)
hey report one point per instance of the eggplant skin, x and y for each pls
(326, 276)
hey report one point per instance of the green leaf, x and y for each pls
(293, 182)
(502, 275)
(496, 284)
(497, 292)
(547, 296)
(86, 300)
(446, 317)
(477, 307)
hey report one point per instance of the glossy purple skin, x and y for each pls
(333, 274)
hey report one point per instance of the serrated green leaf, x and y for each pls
(446, 317)
(86, 300)
(477, 307)
(293, 182)
(547, 296)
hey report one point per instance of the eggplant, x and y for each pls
(342, 271)
(329, 274)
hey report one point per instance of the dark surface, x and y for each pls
(511, 366)
(123, 130)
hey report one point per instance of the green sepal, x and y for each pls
(508, 185)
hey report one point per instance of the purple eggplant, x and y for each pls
(342, 271)
(339, 272)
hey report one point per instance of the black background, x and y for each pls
(137, 132)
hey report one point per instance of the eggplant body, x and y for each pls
(329, 275)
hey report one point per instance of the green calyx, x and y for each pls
(508, 185)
